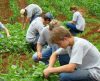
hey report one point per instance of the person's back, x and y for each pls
(35, 28)
(80, 21)
(33, 9)
(29, 13)
(86, 55)
(77, 24)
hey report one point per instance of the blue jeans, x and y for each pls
(46, 53)
(78, 75)
(73, 29)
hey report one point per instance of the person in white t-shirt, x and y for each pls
(77, 25)
(29, 13)
(84, 63)
(2, 27)
(36, 27)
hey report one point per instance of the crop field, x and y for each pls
(16, 62)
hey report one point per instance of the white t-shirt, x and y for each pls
(80, 21)
(1, 26)
(85, 54)
(33, 9)
(35, 27)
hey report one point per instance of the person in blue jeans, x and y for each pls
(84, 63)
(35, 29)
(43, 54)
(77, 24)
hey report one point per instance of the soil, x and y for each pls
(93, 29)
(7, 60)
(5, 11)
(61, 17)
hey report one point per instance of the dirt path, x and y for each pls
(5, 11)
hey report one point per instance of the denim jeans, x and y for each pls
(78, 75)
(46, 53)
(73, 29)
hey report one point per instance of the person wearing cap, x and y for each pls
(77, 25)
(36, 27)
(84, 63)
(42, 53)
(29, 13)
(5, 29)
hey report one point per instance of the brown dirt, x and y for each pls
(61, 17)
(5, 11)
(6, 61)
(93, 29)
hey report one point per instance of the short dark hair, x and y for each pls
(73, 8)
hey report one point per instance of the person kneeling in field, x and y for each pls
(77, 25)
(5, 29)
(43, 54)
(29, 13)
(35, 29)
(84, 64)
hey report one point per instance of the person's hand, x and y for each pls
(46, 73)
(69, 21)
(39, 54)
(23, 27)
(8, 35)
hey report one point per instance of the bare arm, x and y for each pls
(52, 59)
(24, 21)
(7, 32)
(64, 68)
(39, 47)
(73, 22)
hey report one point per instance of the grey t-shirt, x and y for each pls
(33, 9)
(45, 38)
(85, 54)
(35, 28)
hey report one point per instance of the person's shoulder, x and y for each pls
(77, 13)
(81, 41)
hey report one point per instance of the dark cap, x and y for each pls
(49, 15)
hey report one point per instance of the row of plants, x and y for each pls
(62, 6)
(15, 10)
(34, 73)
(16, 42)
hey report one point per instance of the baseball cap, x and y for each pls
(49, 15)
(22, 11)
